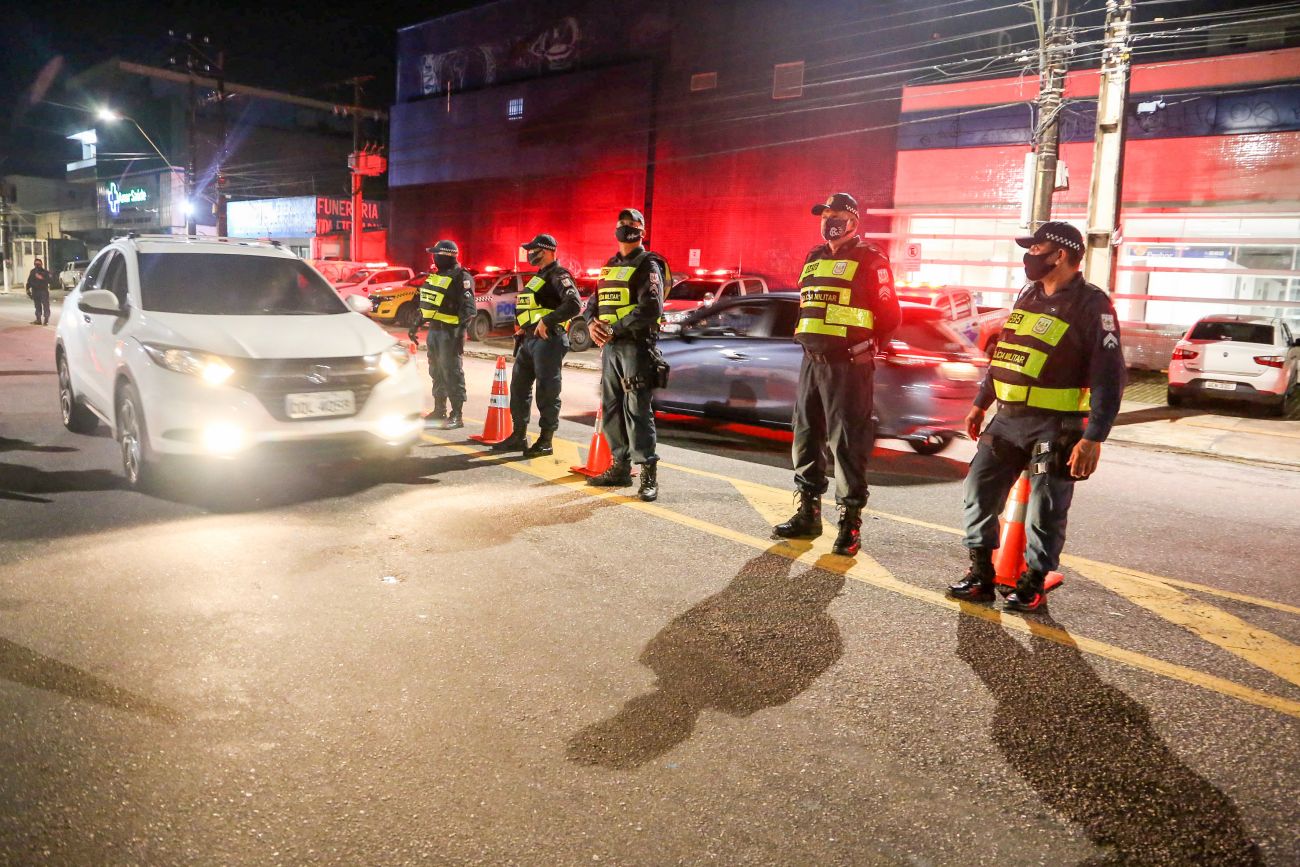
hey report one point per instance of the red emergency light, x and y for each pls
(490, 269)
(593, 272)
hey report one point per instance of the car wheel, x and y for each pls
(408, 315)
(76, 417)
(1280, 407)
(579, 337)
(932, 444)
(1173, 399)
(480, 328)
(133, 443)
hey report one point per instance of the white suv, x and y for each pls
(232, 350)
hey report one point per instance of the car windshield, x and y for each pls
(1237, 332)
(692, 290)
(228, 284)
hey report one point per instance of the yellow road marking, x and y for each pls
(765, 498)
(870, 572)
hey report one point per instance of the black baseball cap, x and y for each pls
(541, 242)
(631, 214)
(444, 247)
(837, 202)
(1060, 233)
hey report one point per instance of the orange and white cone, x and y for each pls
(499, 424)
(599, 457)
(1009, 560)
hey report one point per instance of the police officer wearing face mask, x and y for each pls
(447, 307)
(623, 316)
(1057, 374)
(542, 313)
(847, 308)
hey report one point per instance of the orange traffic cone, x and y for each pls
(1009, 560)
(499, 425)
(599, 457)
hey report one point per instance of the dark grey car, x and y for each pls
(737, 360)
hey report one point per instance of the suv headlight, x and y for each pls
(212, 369)
(393, 359)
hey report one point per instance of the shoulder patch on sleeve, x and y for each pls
(566, 281)
(1108, 321)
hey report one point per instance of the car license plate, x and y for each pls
(1220, 386)
(319, 404)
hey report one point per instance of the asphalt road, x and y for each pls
(467, 660)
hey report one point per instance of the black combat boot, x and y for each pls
(454, 420)
(542, 447)
(649, 490)
(438, 417)
(977, 586)
(806, 523)
(1028, 594)
(617, 476)
(849, 539)
(516, 442)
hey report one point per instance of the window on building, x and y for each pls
(787, 80)
(515, 109)
(704, 81)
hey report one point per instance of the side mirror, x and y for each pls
(1296, 342)
(359, 304)
(99, 301)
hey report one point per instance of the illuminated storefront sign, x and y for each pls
(131, 201)
(115, 197)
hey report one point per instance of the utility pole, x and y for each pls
(355, 164)
(1054, 48)
(1100, 256)
(4, 238)
(197, 57)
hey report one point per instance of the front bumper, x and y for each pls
(186, 417)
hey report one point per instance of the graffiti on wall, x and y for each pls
(553, 49)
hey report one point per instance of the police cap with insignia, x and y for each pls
(631, 214)
(1059, 233)
(837, 202)
(444, 247)
(541, 242)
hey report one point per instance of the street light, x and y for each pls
(108, 115)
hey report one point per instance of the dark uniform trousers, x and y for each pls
(41, 298)
(538, 361)
(625, 380)
(832, 421)
(446, 345)
(1004, 451)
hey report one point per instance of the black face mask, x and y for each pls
(534, 257)
(1036, 266)
(444, 262)
(628, 234)
(833, 228)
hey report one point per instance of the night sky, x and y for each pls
(299, 48)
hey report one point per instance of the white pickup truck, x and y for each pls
(980, 325)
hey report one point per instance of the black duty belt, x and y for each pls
(1017, 410)
(859, 353)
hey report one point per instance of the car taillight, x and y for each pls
(1183, 354)
(1271, 360)
(905, 355)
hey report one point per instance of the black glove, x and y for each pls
(414, 335)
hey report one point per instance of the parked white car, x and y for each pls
(71, 274)
(228, 350)
(367, 281)
(1255, 359)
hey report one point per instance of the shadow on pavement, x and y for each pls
(758, 643)
(889, 468)
(1093, 757)
(27, 484)
(12, 445)
(29, 668)
(1154, 413)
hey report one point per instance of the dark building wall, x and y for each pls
(730, 171)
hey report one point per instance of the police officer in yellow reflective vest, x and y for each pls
(1057, 374)
(542, 313)
(623, 316)
(847, 307)
(447, 306)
